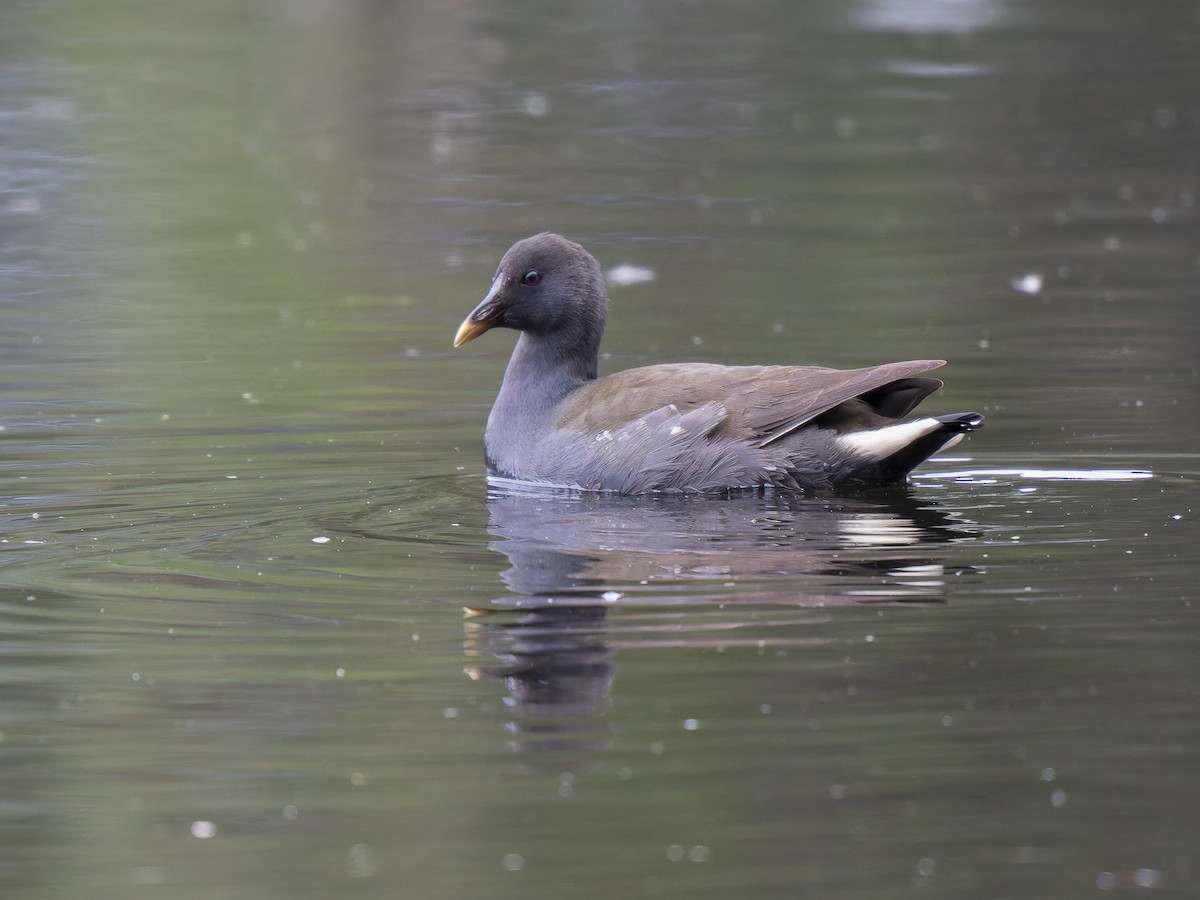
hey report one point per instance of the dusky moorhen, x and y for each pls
(682, 427)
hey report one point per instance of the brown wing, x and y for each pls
(764, 403)
(811, 391)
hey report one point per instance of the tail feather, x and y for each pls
(891, 452)
(961, 421)
(899, 398)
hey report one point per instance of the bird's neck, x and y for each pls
(541, 372)
(540, 375)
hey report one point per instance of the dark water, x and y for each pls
(244, 507)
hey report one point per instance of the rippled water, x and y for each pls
(265, 628)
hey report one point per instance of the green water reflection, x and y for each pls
(244, 501)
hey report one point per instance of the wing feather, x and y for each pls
(764, 404)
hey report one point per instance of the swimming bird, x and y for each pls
(681, 427)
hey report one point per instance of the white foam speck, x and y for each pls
(535, 105)
(203, 829)
(1029, 283)
(625, 275)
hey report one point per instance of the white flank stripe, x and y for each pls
(883, 442)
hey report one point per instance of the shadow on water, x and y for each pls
(593, 575)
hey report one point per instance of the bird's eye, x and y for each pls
(532, 277)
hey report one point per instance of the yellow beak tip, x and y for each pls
(468, 331)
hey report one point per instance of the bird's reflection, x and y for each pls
(678, 571)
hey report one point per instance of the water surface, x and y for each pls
(265, 630)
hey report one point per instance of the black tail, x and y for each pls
(958, 422)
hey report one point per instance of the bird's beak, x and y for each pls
(483, 316)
